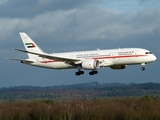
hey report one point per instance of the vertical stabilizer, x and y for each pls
(30, 45)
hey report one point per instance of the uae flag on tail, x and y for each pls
(30, 45)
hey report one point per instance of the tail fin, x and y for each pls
(30, 45)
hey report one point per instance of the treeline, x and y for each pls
(140, 108)
(83, 91)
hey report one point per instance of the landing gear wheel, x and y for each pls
(79, 73)
(142, 68)
(93, 72)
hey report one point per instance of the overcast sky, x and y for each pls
(72, 25)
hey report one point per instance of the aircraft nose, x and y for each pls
(154, 58)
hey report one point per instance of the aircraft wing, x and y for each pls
(49, 56)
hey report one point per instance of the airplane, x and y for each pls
(92, 60)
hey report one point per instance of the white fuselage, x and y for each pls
(110, 57)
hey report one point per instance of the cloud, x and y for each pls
(144, 1)
(83, 24)
(27, 8)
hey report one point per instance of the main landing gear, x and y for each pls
(93, 72)
(80, 72)
(143, 66)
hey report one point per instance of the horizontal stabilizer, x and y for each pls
(53, 57)
(26, 51)
(22, 60)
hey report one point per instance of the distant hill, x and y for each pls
(79, 91)
(75, 86)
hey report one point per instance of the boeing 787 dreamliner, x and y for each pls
(87, 60)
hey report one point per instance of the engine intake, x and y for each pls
(90, 64)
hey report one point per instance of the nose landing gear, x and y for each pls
(143, 66)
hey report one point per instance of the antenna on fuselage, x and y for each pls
(98, 49)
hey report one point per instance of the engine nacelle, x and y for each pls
(118, 67)
(90, 64)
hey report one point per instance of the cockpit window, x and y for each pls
(148, 52)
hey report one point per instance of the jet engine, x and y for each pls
(90, 64)
(118, 67)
